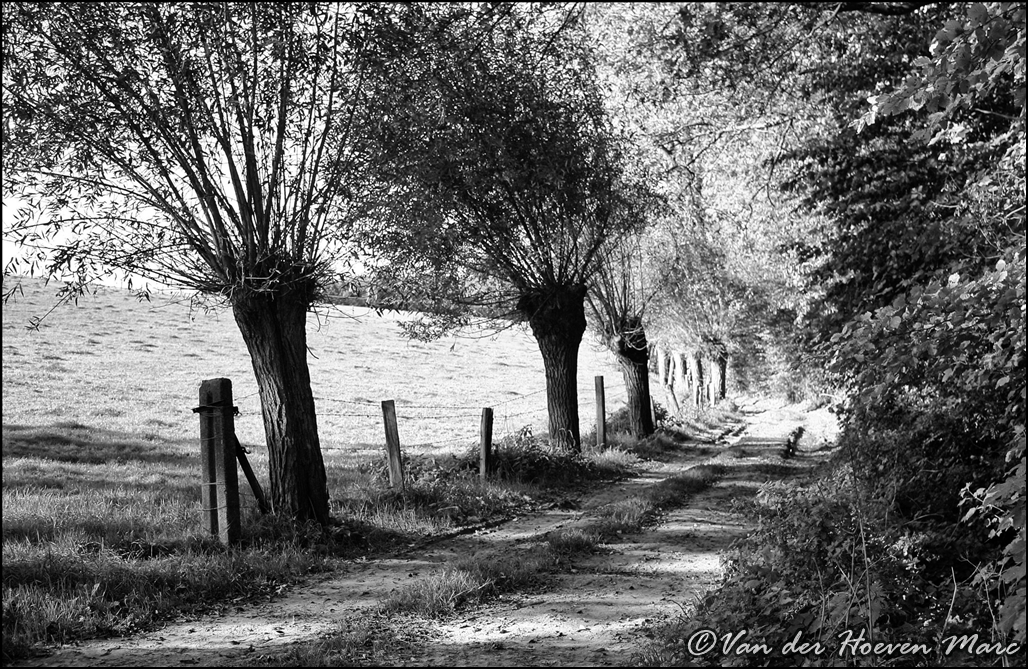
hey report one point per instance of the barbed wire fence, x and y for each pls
(351, 425)
(429, 427)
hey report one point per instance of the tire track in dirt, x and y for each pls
(602, 613)
(599, 614)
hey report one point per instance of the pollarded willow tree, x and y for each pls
(209, 146)
(617, 299)
(509, 169)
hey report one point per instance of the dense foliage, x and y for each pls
(917, 310)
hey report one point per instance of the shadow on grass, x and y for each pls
(763, 471)
(74, 442)
(665, 446)
(360, 539)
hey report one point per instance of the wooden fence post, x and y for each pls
(219, 493)
(601, 414)
(485, 457)
(392, 444)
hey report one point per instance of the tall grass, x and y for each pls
(92, 580)
(476, 579)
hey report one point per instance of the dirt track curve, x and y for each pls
(600, 614)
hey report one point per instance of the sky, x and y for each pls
(11, 250)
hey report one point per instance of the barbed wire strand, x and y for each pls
(405, 405)
(403, 412)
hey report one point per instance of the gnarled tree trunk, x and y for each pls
(719, 383)
(718, 371)
(661, 366)
(274, 327)
(633, 355)
(665, 365)
(681, 384)
(557, 318)
(696, 371)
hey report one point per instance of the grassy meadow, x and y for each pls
(117, 367)
(101, 507)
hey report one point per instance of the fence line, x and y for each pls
(430, 406)
(508, 421)
(222, 452)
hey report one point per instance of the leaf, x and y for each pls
(978, 14)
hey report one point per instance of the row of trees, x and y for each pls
(714, 276)
(904, 161)
(251, 151)
(516, 161)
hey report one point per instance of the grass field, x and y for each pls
(116, 367)
(101, 506)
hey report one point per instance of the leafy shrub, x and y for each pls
(945, 363)
(618, 421)
(663, 419)
(825, 560)
(918, 455)
(524, 458)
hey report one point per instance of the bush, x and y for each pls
(524, 458)
(939, 406)
(918, 455)
(825, 560)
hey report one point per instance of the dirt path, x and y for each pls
(598, 615)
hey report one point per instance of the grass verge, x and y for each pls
(74, 587)
(631, 515)
(85, 556)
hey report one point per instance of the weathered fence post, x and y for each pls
(392, 444)
(219, 493)
(601, 414)
(485, 456)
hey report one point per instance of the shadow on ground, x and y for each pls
(68, 441)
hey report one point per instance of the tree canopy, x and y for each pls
(508, 168)
(205, 146)
(217, 147)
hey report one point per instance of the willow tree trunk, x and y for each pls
(633, 354)
(662, 366)
(696, 371)
(665, 365)
(274, 328)
(681, 384)
(719, 383)
(557, 318)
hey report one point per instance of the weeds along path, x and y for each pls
(597, 613)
